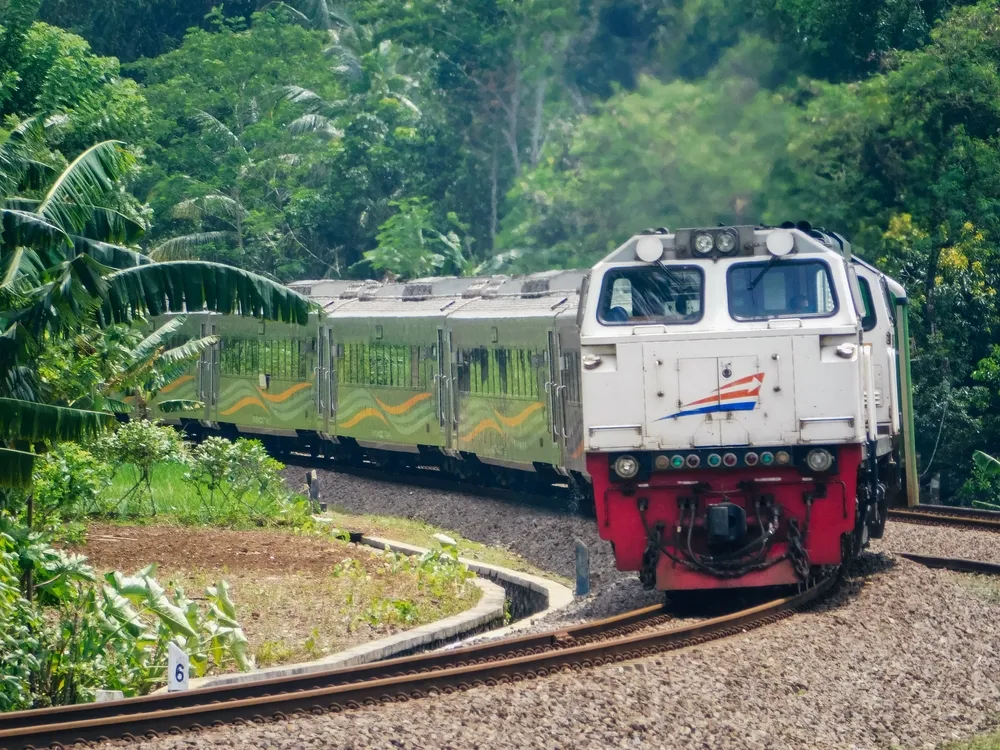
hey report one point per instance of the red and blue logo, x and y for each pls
(740, 395)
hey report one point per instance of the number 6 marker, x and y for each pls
(178, 667)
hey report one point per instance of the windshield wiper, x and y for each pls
(753, 284)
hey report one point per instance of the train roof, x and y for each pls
(443, 294)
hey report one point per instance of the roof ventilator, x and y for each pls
(417, 292)
(534, 288)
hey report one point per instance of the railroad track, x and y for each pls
(944, 515)
(633, 635)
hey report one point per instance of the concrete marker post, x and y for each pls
(582, 569)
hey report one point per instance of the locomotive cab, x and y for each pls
(740, 428)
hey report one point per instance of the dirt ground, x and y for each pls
(290, 600)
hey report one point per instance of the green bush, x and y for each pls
(140, 445)
(237, 479)
(69, 481)
(982, 489)
(80, 634)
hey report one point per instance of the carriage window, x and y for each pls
(664, 294)
(786, 289)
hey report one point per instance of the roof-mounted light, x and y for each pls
(704, 243)
(727, 241)
(780, 243)
(649, 249)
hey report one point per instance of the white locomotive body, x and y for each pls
(741, 424)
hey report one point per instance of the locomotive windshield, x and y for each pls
(785, 289)
(651, 295)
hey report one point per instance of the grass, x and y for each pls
(179, 501)
(422, 534)
(986, 742)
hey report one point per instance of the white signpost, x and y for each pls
(178, 667)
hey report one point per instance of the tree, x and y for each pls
(61, 269)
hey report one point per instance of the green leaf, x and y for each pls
(220, 594)
(16, 468)
(72, 198)
(169, 613)
(193, 286)
(33, 422)
(148, 346)
(986, 463)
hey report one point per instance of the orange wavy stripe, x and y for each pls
(363, 415)
(404, 407)
(486, 424)
(177, 384)
(277, 398)
(520, 418)
(578, 452)
(243, 403)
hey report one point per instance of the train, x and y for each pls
(733, 402)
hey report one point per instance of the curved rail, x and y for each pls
(634, 635)
(943, 515)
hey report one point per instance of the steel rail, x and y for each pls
(636, 635)
(955, 564)
(611, 627)
(943, 515)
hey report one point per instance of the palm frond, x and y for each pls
(986, 463)
(188, 351)
(193, 286)
(215, 205)
(112, 256)
(25, 229)
(16, 468)
(212, 124)
(299, 95)
(313, 123)
(18, 267)
(70, 201)
(181, 248)
(40, 423)
(157, 339)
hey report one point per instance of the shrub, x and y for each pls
(141, 445)
(982, 489)
(80, 634)
(235, 479)
(69, 481)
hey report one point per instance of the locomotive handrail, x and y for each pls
(609, 427)
(818, 420)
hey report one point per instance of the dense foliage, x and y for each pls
(302, 139)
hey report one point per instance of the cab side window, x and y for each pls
(869, 317)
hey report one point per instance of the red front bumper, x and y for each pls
(621, 522)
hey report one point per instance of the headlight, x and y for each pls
(704, 243)
(819, 460)
(726, 242)
(626, 467)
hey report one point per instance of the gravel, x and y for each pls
(544, 538)
(941, 541)
(900, 656)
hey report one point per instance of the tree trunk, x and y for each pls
(29, 574)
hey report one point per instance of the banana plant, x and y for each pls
(988, 468)
(65, 262)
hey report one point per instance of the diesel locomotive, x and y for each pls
(734, 400)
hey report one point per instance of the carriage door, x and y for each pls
(206, 390)
(441, 381)
(570, 400)
(331, 378)
(215, 363)
(553, 391)
(322, 380)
